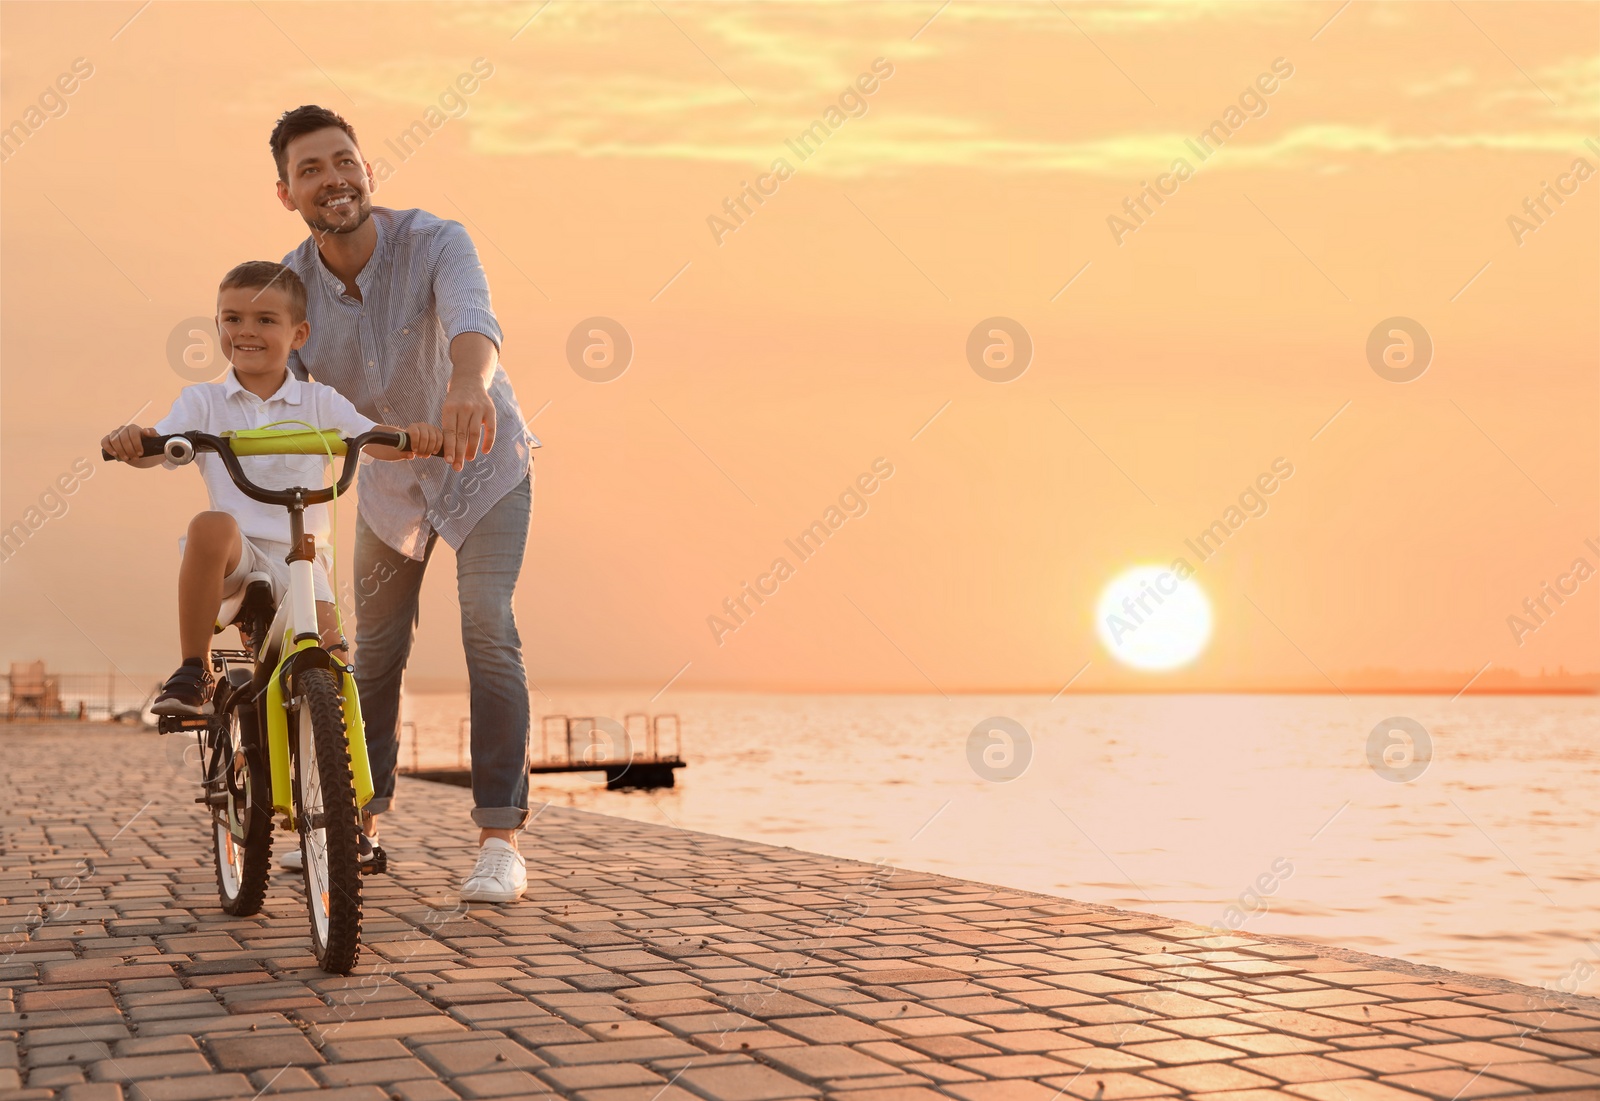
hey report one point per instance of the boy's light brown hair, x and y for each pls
(260, 274)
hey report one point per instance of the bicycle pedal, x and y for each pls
(379, 862)
(177, 724)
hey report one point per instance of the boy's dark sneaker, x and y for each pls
(187, 692)
(370, 858)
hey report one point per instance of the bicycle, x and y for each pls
(285, 737)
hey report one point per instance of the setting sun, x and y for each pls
(1151, 618)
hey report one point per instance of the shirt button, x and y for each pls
(370, 363)
(403, 332)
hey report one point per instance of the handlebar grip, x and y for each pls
(153, 446)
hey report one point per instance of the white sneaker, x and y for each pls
(501, 875)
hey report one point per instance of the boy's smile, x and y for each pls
(257, 334)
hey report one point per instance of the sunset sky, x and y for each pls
(1174, 361)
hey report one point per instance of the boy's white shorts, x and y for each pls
(270, 558)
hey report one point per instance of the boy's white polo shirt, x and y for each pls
(226, 406)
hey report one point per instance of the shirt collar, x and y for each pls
(366, 274)
(288, 393)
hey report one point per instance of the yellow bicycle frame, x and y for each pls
(327, 442)
(278, 735)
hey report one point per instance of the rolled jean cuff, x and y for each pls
(378, 804)
(499, 818)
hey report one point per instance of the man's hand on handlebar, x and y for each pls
(126, 445)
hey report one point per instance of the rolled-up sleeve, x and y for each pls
(460, 287)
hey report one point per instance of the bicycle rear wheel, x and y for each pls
(241, 820)
(329, 826)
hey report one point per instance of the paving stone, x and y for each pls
(53, 1077)
(508, 1083)
(1454, 1085)
(428, 1089)
(620, 1051)
(1545, 1075)
(832, 1030)
(190, 1089)
(824, 1061)
(154, 1045)
(1034, 1041)
(637, 1093)
(1300, 1068)
(349, 1093)
(283, 1080)
(746, 1039)
(1173, 1052)
(1392, 1060)
(93, 1091)
(79, 1054)
(1544, 1022)
(599, 1076)
(1208, 1077)
(137, 1068)
(478, 1057)
(1016, 1089)
(1477, 1054)
(1012, 1066)
(744, 1082)
(1130, 1032)
(766, 1006)
(1350, 1089)
(1112, 1087)
(1103, 1058)
(352, 1051)
(1310, 1025)
(374, 1072)
(934, 1025)
(258, 1052)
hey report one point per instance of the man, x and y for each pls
(401, 325)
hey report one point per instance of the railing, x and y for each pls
(408, 735)
(88, 696)
(597, 740)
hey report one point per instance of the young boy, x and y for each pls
(261, 317)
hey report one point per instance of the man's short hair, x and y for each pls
(260, 274)
(298, 123)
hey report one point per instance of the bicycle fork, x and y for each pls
(298, 641)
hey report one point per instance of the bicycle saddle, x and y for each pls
(254, 583)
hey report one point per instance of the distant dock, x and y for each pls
(642, 751)
(654, 964)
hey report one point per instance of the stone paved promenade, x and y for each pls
(651, 964)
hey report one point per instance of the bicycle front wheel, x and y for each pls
(329, 825)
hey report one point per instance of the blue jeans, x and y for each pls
(387, 583)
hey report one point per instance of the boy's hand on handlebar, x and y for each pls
(125, 443)
(426, 440)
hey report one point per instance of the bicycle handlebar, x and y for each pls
(180, 448)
